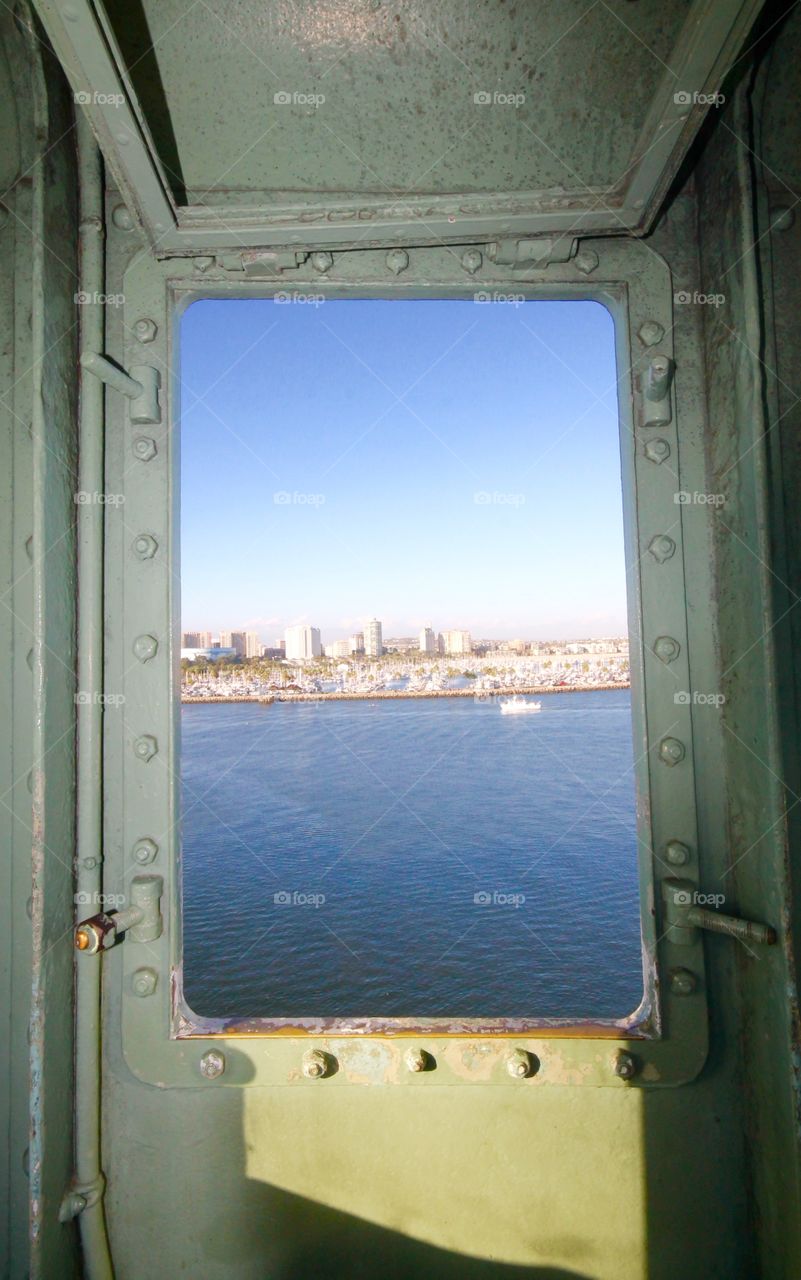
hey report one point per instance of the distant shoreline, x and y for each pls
(387, 694)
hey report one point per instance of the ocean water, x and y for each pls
(426, 858)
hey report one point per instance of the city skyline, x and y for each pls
(445, 458)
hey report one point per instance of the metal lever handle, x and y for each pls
(683, 918)
(142, 919)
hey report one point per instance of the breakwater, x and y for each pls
(386, 694)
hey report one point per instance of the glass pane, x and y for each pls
(434, 816)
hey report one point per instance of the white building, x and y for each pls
(357, 642)
(302, 642)
(457, 642)
(428, 641)
(373, 639)
(339, 649)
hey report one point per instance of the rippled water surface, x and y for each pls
(411, 858)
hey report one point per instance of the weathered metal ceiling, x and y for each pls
(231, 123)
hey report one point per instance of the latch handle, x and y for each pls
(140, 386)
(142, 919)
(684, 917)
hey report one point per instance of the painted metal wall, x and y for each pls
(699, 1181)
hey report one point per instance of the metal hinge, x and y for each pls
(685, 914)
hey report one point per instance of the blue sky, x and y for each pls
(440, 462)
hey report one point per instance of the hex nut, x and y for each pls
(520, 1064)
(145, 747)
(145, 647)
(145, 546)
(682, 982)
(212, 1064)
(657, 451)
(671, 751)
(624, 1065)
(145, 851)
(316, 1064)
(418, 1060)
(666, 648)
(322, 261)
(397, 260)
(650, 333)
(677, 854)
(472, 260)
(145, 330)
(661, 547)
(144, 982)
(587, 261)
(144, 448)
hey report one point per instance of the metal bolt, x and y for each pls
(145, 546)
(677, 854)
(783, 218)
(144, 448)
(650, 333)
(624, 1066)
(145, 647)
(145, 850)
(145, 330)
(203, 264)
(520, 1064)
(472, 260)
(586, 261)
(666, 648)
(657, 451)
(661, 547)
(682, 982)
(212, 1064)
(397, 261)
(316, 1064)
(671, 751)
(418, 1060)
(90, 863)
(322, 262)
(121, 217)
(144, 982)
(145, 747)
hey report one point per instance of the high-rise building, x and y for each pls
(195, 639)
(373, 639)
(339, 649)
(356, 642)
(302, 642)
(457, 642)
(246, 644)
(428, 641)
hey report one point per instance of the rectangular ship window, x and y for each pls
(407, 773)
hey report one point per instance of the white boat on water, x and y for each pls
(518, 706)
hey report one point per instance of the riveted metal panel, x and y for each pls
(163, 1041)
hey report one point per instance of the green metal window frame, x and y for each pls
(163, 1042)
